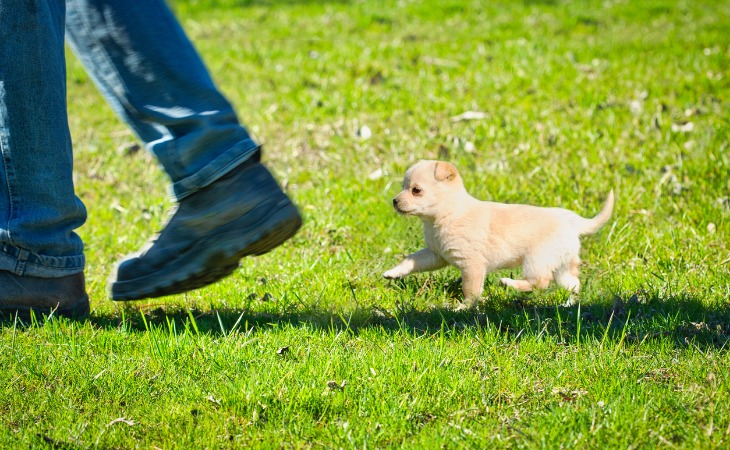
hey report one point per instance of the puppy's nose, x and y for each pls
(395, 202)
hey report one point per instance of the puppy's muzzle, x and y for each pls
(397, 206)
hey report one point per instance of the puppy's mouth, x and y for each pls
(405, 212)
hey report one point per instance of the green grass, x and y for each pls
(580, 97)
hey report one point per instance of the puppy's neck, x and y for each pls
(450, 209)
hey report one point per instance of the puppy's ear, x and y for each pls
(445, 171)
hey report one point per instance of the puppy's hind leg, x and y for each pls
(526, 285)
(536, 268)
(566, 276)
(520, 285)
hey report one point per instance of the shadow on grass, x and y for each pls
(678, 320)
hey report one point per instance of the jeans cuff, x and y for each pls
(217, 168)
(23, 262)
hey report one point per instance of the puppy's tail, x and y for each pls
(590, 226)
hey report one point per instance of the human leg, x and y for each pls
(39, 251)
(150, 73)
(229, 204)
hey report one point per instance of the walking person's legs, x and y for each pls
(229, 205)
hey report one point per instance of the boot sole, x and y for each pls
(77, 311)
(215, 257)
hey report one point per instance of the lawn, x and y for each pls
(308, 346)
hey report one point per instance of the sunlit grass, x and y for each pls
(308, 346)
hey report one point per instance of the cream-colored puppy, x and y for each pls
(478, 237)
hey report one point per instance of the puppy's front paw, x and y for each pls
(392, 274)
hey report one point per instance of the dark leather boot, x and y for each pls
(243, 213)
(65, 296)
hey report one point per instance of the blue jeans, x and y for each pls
(147, 69)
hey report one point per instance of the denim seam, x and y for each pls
(7, 164)
(23, 262)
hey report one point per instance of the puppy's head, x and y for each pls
(427, 187)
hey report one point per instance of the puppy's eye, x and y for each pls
(416, 191)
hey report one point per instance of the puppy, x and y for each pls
(478, 237)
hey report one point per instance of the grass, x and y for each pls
(308, 347)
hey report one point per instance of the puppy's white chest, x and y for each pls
(451, 246)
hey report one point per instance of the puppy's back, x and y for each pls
(527, 222)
